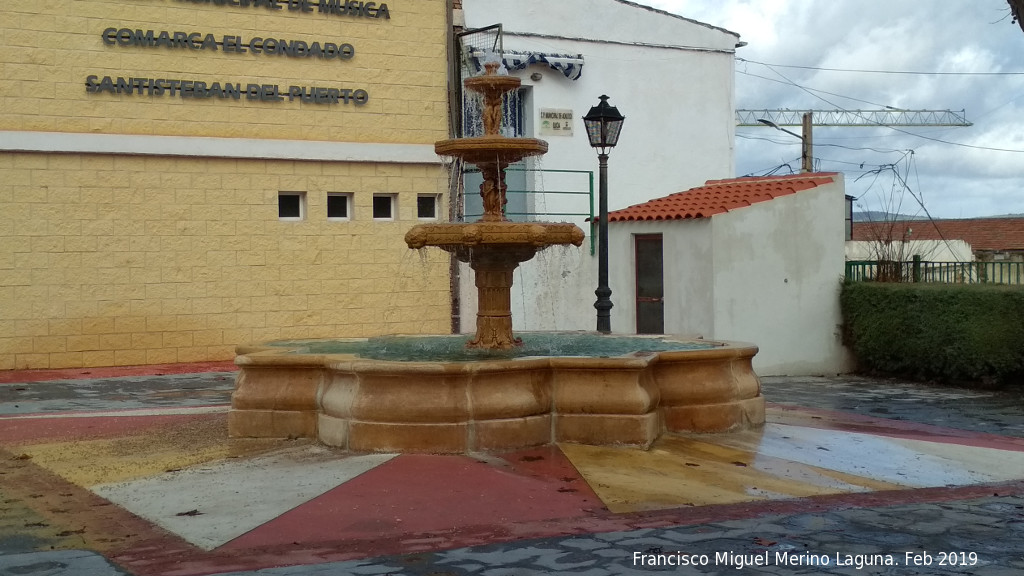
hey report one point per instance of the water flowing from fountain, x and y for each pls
(493, 246)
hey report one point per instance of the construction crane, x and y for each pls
(885, 117)
(807, 119)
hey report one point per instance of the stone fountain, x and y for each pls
(492, 392)
(493, 246)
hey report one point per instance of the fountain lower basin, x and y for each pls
(487, 401)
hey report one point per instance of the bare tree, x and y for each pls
(886, 238)
(1017, 11)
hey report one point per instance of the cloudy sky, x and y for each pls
(955, 172)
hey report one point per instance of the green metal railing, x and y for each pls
(938, 272)
(588, 192)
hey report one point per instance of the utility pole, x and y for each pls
(807, 144)
(806, 140)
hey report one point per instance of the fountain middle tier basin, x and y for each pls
(535, 235)
(432, 394)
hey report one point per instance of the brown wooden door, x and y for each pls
(650, 286)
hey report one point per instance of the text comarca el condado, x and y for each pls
(355, 8)
(199, 41)
(224, 90)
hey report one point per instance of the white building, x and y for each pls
(929, 250)
(751, 259)
(671, 77)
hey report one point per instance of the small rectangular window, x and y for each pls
(383, 207)
(426, 207)
(291, 205)
(339, 206)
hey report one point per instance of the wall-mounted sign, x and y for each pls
(155, 87)
(224, 90)
(204, 41)
(354, 8)
(555, 122)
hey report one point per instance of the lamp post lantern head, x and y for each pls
(603, 124)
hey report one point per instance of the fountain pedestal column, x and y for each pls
(493, 271)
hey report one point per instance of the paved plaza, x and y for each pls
(130, 471)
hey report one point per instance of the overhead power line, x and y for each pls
(900, 130)
(885, 117)
(864, 71)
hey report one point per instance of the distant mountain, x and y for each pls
(879, 216)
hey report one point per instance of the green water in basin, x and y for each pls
(453, 348)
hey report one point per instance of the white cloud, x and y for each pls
(885, 35)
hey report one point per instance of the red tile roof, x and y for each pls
(719, 196)
(980, 233)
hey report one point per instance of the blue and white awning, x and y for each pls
(569, 65)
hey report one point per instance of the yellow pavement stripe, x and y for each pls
(91, 462)
(685, 471)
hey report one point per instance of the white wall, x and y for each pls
(672, 79)
(688, 275)
(608, 20)
(778, 271)
(555, 290)
(929, 250)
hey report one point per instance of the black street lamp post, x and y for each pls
(603, 124)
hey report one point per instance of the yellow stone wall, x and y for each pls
(117, 259)
(108, 260)
(52, 46)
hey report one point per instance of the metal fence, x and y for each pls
(937, 272)
(576, 187)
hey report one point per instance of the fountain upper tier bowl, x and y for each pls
(491, 149)
(492, 84)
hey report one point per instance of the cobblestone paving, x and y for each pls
(57, 563)
(990, 411)
(980, 537)
(121, 393)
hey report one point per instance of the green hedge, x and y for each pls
(942, 332)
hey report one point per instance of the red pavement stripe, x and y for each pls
(21, 431)
(294, 553)
(17, 376)
(103, 527)
(416, 493)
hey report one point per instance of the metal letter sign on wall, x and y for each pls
(233, 90)
(555, 122)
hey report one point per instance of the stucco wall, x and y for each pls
(608, 20)
(144, 228)
(688, 275)
(778, 270)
